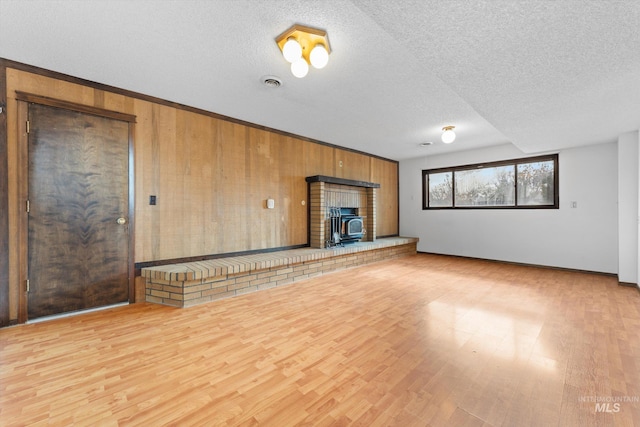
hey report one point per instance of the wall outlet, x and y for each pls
(574, 205)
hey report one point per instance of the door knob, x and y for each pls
(121, 221)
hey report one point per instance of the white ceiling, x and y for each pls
(541, 74)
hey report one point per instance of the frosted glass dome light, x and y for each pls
(292, 51)
(299, 68)
(448, 135)
(319, 56)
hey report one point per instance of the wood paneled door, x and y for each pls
(78, 211)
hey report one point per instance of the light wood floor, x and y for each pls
(424, 340)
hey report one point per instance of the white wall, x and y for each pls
(628, 178)
(583, 238)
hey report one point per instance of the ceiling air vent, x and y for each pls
(272, 81)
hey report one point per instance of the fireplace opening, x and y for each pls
(345, 226)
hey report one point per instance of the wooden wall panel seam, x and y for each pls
(4, 202)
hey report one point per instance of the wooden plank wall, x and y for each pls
(211, 176)
(387, 211)
(4, 203)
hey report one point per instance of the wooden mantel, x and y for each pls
(341, 181)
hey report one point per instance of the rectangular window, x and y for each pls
(530, 183)
(440, 190)
(536, 183)
(491, 186)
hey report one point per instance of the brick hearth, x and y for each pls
(187, 284)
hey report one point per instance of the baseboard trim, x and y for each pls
(524, 264)
(628, 284)
(75, 313)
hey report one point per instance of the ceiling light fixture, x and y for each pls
(301, 46)
(448, 135)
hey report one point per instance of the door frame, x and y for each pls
(24, 99)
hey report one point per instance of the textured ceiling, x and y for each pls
(543, 75)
